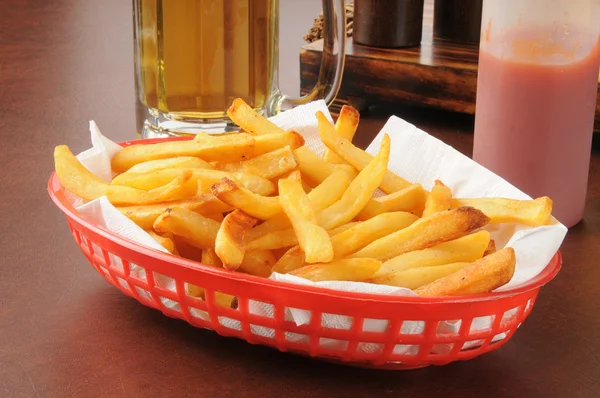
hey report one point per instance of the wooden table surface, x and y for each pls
(65, 332)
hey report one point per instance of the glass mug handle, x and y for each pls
(332, 61)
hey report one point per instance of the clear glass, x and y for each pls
(536, 97)
(194, 57)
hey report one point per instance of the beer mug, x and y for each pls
(194, 57)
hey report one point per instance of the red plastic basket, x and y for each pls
(412, 332)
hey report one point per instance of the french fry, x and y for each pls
(270, 142)
(295, 175)
(343, 228)
(196, 230)
(291, 260)
(261, 207)
(490, 249)
(164, 241)
(414, 278)
(350, 269)
(179, 188)
(229, 148)
(210, 258)
(273, 240)
(204, 179)
(312, 238)
(466, 249)
(180, 162)
(324, 195)
(247, 118)
(482, 276)
(229, 243)
(269, 165)
(529, 212)
(146, 215)
(356, 157)
(345, 127)
(359, 192)
(258, 263)
(356, 238)
(75, 178)
(311, 166)
(426, 232)
(410, 199)
(439, 199)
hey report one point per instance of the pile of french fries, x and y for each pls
(259, 202)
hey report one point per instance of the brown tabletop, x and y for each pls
(65, 332)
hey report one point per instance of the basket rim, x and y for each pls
(56, 193)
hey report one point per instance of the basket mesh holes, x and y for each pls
(333, 344)
(375, 325)
(471, 345)
(406, 349)
(498, 337)
(193, 291)
(105, 271)
(335, 321)
(97, 250)
(196, 313)
(165, 282)
(442, 349)
(412, 327)
(143, 293)
(296, 337)
(451, 327)
(137, 272)
(509, 316)
(172, 304)
(230, 323)
(300, 317)
(123, 284)
(262, 331)
(260, 308)
(369, 348)
(481, 323)
(115, 262)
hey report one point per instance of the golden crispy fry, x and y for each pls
(291, 260)
(356, 157)
(180, 162)
(270, 142)
(350, 269)
(230, 148)
(247, 118)
(146, 215)
(204, 179)
(490, 249)
(345, 127)
(196, 230)
(269, 165)
(312, 238)
(439, 199)
(210, 258)
(343, 228)
(295, 175)
(179, 188)
(261, 207)
(356, 238)
(426, 232)
(258, 262)
(482, 276)
(529, 212)
(414, 278)
(229, 244)
(311, 166)
(75, 177)
(273, 240)
(466, 249)
(410, 199)
(324, 195)
(164, 241)
(359, 192)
